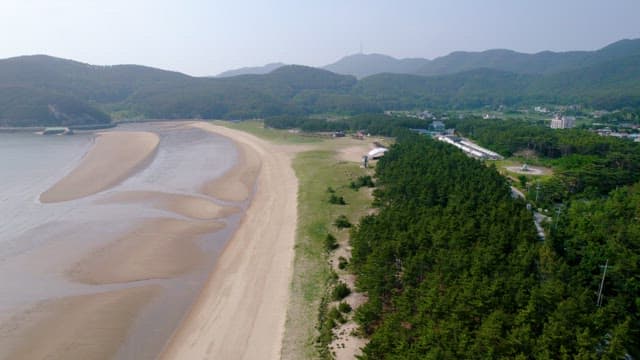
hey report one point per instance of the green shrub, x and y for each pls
(361, 182)
(342, 263)
(340, 292)
(344, 307)
(330, 243)
(337, 200)
(342, 222)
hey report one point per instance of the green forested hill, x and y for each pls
(153, 93)
(24, 106)
(546, 62)
(453, 267)
(612, 84)
(128, 91)
(470, 89)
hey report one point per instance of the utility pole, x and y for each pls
(599, 302)
(555, 222)
(537, 190)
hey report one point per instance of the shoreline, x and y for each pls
(247, 292)
(238, 310)
(117, 308)
(114, 157)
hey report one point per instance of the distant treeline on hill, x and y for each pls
(582, 160)
(453, 267)
(375, 124)
(46, 90)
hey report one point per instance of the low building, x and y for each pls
(437, 126)
(563, 122)
(470, 148)
(377, 153)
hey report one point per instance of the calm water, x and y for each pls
(38, 241)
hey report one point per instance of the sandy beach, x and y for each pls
(114, 157)
(240, 314)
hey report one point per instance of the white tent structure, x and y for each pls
(377, 153)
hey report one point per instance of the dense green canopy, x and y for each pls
(453, 266)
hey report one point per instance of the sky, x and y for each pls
(201, 37)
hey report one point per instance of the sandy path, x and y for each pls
(157, 248)
(113, 158)
(80, 327)
(185, 205)
(241, 312)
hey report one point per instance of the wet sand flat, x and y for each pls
(114, 157)
(186, 205)
(155, 249)
(80, 327)
(238, 183)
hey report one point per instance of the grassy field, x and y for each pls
(317, 170)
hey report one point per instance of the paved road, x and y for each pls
(538, 218)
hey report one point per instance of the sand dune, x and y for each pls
(80, 327)
(241, 311)
(185, 205)
(113, 158)
(157, 248)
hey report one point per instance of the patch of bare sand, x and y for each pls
(240, 313)
(157, 248)
(113, 158)
(353, 150)
(237, 183)
(185, 205)
(79, 327)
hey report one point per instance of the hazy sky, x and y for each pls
(206, 37)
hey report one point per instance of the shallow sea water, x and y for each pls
(38, 242)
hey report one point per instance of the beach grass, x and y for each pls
(317, 171)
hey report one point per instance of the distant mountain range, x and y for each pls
(546, 62)
(256, 70)
(42, 90)
(361, 65)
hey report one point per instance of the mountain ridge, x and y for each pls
(45, 90)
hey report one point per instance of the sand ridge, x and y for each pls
(241, 312)
(113, 158)
(238, 182)
(186, 205)
(156, 248)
